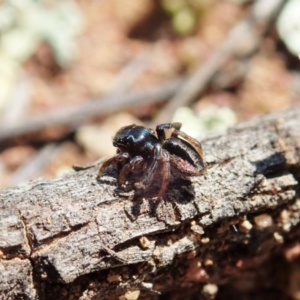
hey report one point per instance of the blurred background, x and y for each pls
(72, 72)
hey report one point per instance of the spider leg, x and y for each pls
(117, 160)
(195, 144)
(160, 129)
(135, 165)
(166, 173)
(86, 167)
(152, 131)
(159, 168)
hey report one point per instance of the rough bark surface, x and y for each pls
(77, 238)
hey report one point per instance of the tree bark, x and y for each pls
(78, 238)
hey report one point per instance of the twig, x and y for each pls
(93, 107)
(128, 75)
(255, 24)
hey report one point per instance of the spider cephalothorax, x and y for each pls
(150, 158)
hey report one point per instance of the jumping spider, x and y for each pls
(150, 158)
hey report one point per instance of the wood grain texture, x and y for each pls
(77, 236)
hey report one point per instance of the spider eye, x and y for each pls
(123, 140)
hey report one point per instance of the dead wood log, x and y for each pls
(77, 238)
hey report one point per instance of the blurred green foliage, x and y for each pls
(27, 23)
(210, 119)
(24, 24)
(184, 14)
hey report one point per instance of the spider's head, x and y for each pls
(134, 139)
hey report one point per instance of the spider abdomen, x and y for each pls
(184, 151)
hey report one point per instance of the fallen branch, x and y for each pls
(95, 107)
(75, 236)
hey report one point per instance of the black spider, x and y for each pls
(148, 157)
